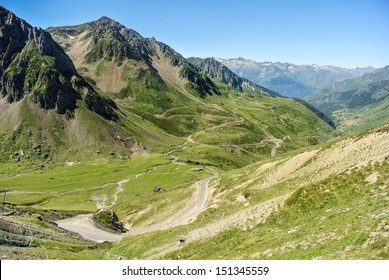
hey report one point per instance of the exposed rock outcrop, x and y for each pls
(108, 220)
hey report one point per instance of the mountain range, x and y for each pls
(130, 57)
(217, 70)
(122, 63)
(150, 97)
(289, 79)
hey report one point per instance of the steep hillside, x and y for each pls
(289, 79)
(32, 63)
(326, 202)
(47, 108)
(148, 80)
(356, 103)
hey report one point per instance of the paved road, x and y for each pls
(278, 143)
(82, 224)
(191, 215)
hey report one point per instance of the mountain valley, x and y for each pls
(356, 104)
(115, 146)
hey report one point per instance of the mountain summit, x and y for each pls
(111, 55)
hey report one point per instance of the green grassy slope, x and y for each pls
(342, 217)
(339, 213)
(31, 135)
(324, 203)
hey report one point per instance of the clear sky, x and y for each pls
(347, 33)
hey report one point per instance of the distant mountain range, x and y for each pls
(354, 103)
(289, 79)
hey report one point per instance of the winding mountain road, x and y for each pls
(83, 225)
(277, 143)
(191, 214)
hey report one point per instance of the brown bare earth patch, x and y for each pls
(78, 49)
(342, 156)
(170, 75)
(110, 81)
(372, 178)
(9, 113)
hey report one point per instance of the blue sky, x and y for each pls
(342, 33)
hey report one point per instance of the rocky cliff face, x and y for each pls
(32, 63)
(112, 39)
(219, 71)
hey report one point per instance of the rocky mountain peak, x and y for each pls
(16, 34)
(106, 25)
(32, 63)
(112, 40)
(143, 59)
(104, 20)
